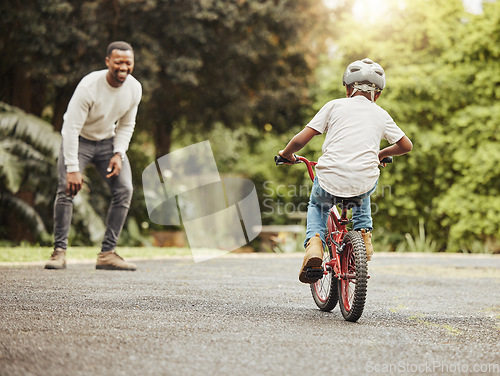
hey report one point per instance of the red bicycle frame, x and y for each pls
(334, 239)
(344, 268)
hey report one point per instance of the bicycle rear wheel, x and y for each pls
(325, 290)
(353, 276)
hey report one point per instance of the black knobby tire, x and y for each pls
(352, 293)
(325, 291)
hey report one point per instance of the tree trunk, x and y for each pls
(21, 88)
(163, 139)
(38, 92)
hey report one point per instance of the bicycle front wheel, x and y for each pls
(325, 290)
(353, 276)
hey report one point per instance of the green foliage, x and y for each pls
(199, 61)
(132, 235)
(27, 214)
(28, 180)
(27, 157)
(231, 62)
(47, 47)
(24, 136)
(418, 243)
(238, 63)
(283, 191)
(238, 73)
(443, 74)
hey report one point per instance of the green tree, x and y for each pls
(47, 47)
(234, 62)
(199, 61)
(28, 180)
(239, 63)
(442, 71)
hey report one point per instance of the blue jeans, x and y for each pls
(99, 154)
(319, 207)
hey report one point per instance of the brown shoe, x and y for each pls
(57, 259)
(312, 259)
(367, 237)
(111, 261)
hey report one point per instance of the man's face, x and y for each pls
(120, 64)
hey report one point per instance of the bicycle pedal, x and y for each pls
(314, 273)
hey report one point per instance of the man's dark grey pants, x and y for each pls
(98, 153)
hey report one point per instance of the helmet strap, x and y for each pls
(372, 89)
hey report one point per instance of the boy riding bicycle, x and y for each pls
(354, 128)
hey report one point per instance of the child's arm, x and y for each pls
(401, 147)
(298, 142)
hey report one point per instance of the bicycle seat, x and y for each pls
(350, 203)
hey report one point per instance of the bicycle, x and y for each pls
(343, 275)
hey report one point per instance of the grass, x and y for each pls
(36, 254)
(419, 243)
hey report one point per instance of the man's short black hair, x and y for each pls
(120, 45)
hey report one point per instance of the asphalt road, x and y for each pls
(249, 315)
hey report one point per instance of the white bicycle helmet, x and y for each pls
(365, 75)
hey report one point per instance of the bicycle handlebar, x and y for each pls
(279, 160)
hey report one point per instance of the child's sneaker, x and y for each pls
(57, 259)
(367, 237)
(312, 259)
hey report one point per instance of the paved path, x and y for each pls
(249, 315)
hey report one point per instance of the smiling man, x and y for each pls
(97, 129)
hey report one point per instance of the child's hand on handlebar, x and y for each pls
(289, 157)
(384, 161)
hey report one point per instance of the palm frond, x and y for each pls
(23, 150)
(22, 164)
(17, 124)
(11, 171)
(26, 212)
(28, 162)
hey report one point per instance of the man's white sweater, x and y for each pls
(98, 111)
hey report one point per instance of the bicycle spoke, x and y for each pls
(325, 290)
(352, 290)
